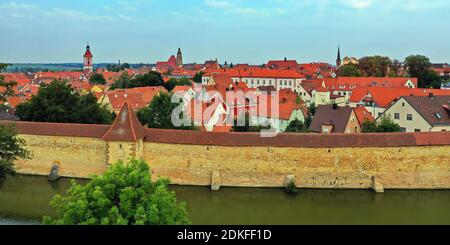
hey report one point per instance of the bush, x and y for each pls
(123, 195)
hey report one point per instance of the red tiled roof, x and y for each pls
(297, 140)
(258, 73)
(362, 114)
(60, 129)
(137, 97)
(383, 97)
(126, 127)
(350, 83)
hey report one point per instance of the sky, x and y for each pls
(237, 31)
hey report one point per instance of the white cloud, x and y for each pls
(358, 4)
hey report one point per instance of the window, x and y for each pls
(409, 117)
(403, 130)
(379, 114)
(403, 104)
(439, 116)
(416, 130)
(396, 115)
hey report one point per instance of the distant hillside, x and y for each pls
(34, 67)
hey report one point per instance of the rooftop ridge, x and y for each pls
(126, 126)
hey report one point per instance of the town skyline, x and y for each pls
(149, 31)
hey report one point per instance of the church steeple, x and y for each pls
(179, 58)
(338, 59)
(88, 59)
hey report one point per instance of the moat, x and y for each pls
(24, 200)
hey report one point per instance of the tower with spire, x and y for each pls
(88, 59)
(338, 59)
(179, 58)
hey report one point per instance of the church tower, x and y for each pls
(179, 58)
(88, 59)
(338, 59)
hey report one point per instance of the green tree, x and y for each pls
(172, 83)
(349, 70)
(6, 88)
(123, 195)
(420, 66)
(375, 66)
(297, 126)
(59, 102)
(383, 126)
(11, 149)
(159, 113)
(198, 77)
(97, 78)
(151, 78)
(123, 81)
(247, 127)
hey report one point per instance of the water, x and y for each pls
(24, 200)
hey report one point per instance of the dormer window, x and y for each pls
(439, 116)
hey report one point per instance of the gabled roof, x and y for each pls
(126, 127)
(325, 114)
(383, 97)
(362, 114)
(432, 109)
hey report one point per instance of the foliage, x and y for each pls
(6, 88)
(291, 187)
(312, 108)
(297, 126)
(151, 78)
(383, 126)
(420, 66)
(123, 81)
(375, 66)
(247, 127)
(198, 77)
(159, 113)
(11, 149)
(117, 67)
(59, 102)
(171, 83)
(123, 195)
(97, 78)
(349, 70)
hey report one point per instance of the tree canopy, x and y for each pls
(383, 126)
(11, 149)
(420, 66)
(349, 70)
(297, 126)
(375, 66)
(247, 127)
(171, 83)
(59, 102)
(123, 195)
(117, 67)
(97, 78)
(159, 113)
(151, 78)
(6, 88)
(198, 77)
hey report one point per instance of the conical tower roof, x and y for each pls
(126, 127)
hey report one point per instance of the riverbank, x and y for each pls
(24, 199)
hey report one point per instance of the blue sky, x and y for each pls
(238, 31)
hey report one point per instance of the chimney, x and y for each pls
(335, 106)
(285, 59)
